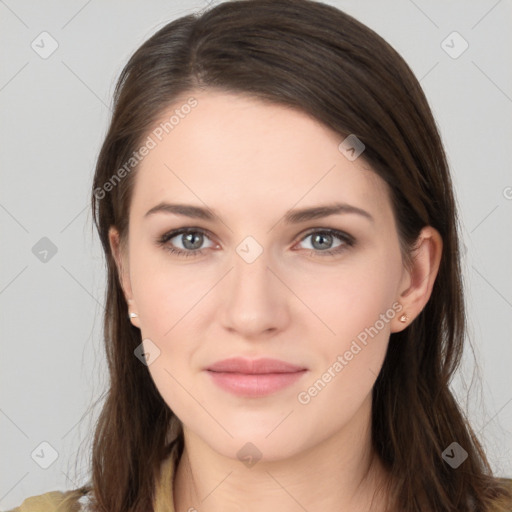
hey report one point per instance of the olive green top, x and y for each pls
(56, 500)
(65, 501)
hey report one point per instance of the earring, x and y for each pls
(403, 318)
(133, 315)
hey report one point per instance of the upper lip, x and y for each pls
(253, 366)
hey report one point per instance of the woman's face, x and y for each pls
(257, 279)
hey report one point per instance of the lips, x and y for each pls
(254, 366)
(254, 378)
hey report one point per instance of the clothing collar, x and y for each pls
(163, 500)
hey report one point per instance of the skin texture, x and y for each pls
(251, 162)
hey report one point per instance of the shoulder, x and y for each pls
(507, 482)
(76, 500)
(500, 505)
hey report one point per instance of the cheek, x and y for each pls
(168, 299)
(165, 293)
(356, 304)
(340, 389)
(351, 297)
(349, 362)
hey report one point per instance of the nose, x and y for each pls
(255, 303)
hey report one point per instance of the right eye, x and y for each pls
(190, 238)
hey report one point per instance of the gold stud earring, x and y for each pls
(403, 318)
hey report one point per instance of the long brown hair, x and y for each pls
(315, 58)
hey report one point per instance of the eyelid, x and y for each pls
(343, 235)
(178, 231)
(168, 235)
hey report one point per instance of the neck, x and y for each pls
(342, 472)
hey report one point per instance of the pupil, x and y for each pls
(189, 237)
(321, 236)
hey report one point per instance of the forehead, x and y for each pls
(237, 154)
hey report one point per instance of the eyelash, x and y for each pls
(348, 240)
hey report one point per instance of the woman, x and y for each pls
(284, 305)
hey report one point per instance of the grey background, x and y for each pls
(54, 115)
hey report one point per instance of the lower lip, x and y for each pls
(254, 385)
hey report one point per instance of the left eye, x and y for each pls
(193, 239)
(325, 237)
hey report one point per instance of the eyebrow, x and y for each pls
(291, 217)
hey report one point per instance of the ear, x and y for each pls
(417, 282)
(123, 269)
